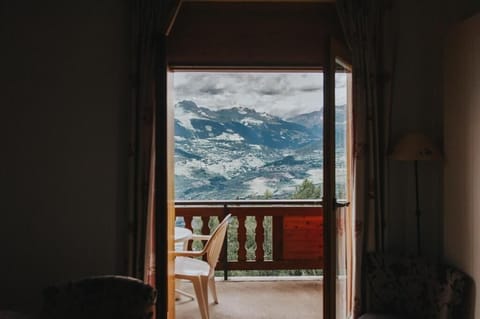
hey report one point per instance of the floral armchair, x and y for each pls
(411, 287)
(99, 297)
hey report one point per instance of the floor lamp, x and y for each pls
(416, 147)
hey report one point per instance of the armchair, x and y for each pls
(99, 297)
(411, 287)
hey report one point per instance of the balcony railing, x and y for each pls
(265, 234)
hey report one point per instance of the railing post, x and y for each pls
(259, 239)
(225, 247)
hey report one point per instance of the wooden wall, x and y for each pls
(252, 34)
(303, 237)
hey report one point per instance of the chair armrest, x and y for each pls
(200, 237)
(188, 253)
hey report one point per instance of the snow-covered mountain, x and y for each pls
(238, 153)
(239, 124)
(312, 120)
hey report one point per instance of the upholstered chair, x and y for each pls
(412, 287)
(99, 297)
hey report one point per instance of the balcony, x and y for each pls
(272, 239)
(268, 298)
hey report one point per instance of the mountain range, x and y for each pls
(239, 153)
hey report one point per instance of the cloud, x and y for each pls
(270, 91)
(212, 90)
(340, 80)
(281, 94)
(311, 88)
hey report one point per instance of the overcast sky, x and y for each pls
(281, 94)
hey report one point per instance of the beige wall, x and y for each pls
(462, 150)
(63, 129)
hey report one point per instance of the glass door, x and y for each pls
(337, 181)
(343, 171)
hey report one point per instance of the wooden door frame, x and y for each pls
(164, 175)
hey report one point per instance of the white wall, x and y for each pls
(63, 134)
(462, 150)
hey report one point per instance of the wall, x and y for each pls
(253, 34)
(462, 151)
(417, 30)
(63, 130)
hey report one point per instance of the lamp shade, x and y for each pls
(415, 147)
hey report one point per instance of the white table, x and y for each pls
(182, 235)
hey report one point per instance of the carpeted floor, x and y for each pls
(259, 300)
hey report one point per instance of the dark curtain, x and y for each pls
(148, 24)
(362, 24)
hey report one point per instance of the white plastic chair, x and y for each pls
(202, 273)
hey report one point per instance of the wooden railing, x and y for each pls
(296, 232)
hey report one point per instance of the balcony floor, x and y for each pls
(260, 299)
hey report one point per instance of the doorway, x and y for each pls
(212, 37)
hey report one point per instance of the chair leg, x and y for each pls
(213, 289)
(199, 292)
(204, 280)
(186, 294)
(179, 292)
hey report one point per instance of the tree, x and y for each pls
(268, 194)
(307, 190)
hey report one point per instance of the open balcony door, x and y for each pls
(337, 240)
